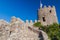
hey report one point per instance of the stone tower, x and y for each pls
(47, 15)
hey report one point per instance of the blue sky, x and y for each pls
(25, 9)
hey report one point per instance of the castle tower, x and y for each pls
(47, 15)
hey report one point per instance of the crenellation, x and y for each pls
(13, 19)
(31, 21)
(45, 6)
(35, 21)
(49, 6)
(53, 6)
(27, 21)
(18, 19)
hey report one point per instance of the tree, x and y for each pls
(38, 24)
(52, 30)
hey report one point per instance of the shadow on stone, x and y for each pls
(40, 36)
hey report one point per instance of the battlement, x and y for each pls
(14, 19)
(48, 6)
(27, 22)
(47, 9)
(30, 21)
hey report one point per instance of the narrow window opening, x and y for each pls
(44, 19)
(50, 11)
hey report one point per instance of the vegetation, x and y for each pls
(52, 30)
(38, 24)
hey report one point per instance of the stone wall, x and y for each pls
(17, 29)
(47, 15)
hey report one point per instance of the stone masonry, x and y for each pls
(47, 15)
(16, 30)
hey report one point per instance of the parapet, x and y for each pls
(53, 6)
(35, 21)
(49, 6)
(46, 9)
(3, 22)
(13, 17)
(18, 19)
(27, 21)
(45, 6)
(31, 21)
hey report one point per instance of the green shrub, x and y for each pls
(52, 30)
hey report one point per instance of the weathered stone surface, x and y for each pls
(18, 30)
(47, 15)
(24, 35)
